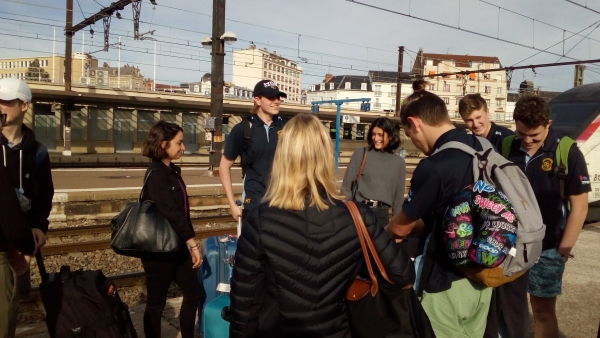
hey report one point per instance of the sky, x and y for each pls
(339, 37)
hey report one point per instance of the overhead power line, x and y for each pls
(580, 5)
(456, 28)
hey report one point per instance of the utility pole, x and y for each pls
(68, 71)
(216, 92)
(400, 63)
(68, 45)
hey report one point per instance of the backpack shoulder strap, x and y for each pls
(506, 145)
(247, 123)
(561, 155)
(457, 145)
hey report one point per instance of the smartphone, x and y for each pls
(2, 119)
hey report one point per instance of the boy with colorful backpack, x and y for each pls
(474, 237)
(558, 175)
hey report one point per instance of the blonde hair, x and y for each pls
(303, 166)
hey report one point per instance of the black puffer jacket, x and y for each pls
(292, 270)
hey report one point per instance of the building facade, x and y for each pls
(252, 65)
(128, 78)
(451, 88)
(53, 65)
(385, 87)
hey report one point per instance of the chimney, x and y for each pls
(328, 77)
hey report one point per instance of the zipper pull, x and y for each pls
(525, 252)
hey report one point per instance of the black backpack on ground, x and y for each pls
(83, 304)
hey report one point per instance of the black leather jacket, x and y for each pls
(166, 188)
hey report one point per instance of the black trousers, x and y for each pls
(159, 275)
(509, 303)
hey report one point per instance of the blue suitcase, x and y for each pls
(215, 272)
(214, 326)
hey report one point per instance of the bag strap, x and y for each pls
(245, 161)
(360, 170)
(428, 260)
(41, 267)
(362, 165)
(507, 145)
(144, 185)
(367, 247)
(561, 154)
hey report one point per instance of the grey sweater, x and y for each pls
(383, 178)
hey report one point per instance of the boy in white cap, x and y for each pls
(27, 165)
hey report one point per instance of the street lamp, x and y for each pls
(216, 43)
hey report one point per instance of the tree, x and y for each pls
(36, 73)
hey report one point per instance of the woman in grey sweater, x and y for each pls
(382, 181)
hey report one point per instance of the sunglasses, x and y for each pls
(2, 119)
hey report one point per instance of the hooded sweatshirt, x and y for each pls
(28, 169)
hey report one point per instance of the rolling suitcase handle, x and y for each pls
(239, 225)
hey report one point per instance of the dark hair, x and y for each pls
(160, 131)
(427, 106)
(419, 84)
(388, 128)
(471, 103)
(532, 111)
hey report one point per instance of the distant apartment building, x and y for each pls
(53, 65)
(230, 90)
(128, 78)
(451, 88)
(252, 65)
(385, 87)
(342, 87)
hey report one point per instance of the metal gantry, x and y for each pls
(364, 107)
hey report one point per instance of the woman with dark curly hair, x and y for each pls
(382, 181)
(166, 189)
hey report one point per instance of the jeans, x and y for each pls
(159, 275)
(9, 298)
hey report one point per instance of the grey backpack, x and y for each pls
(491, 167)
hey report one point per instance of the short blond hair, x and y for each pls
(303, 166)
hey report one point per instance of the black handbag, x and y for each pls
(382, 309)
(140, 230)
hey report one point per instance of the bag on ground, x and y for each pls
(83, 304)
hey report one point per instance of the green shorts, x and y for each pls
(460, 311)
(545, 277)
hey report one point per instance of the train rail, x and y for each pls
(65, 248)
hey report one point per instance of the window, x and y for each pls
(457, 100)
(393, 92)
(487, 102)
(363, 86)
(278, 78)
(377, 103)
(499, 78)
(322, 86)
(429, 63)
(486, 76)
(265, 74)
(446, 87)
(472, 89)
(145, 121)
(393, 103)
(98, 126)
(312, 87)
(377, 90)
(347, 85)
(499, 90)
(265, 65)
(270, 67)
(431, 87)
(446, 100)
(488, 89)
(498, 103)
(331, 86)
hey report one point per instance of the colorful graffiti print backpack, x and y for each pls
(502, 215)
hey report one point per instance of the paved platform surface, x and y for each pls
(578, 308)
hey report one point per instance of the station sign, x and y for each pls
(351, 119)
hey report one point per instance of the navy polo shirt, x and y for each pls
(264, 141)
(435, 180)
(539, 169)
(497, 134)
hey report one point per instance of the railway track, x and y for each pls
(60, 249)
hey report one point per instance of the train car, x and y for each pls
(576, 113)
